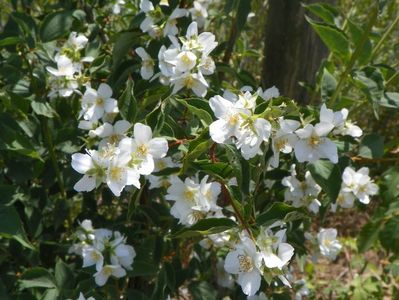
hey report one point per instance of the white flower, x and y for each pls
(92, 256)
(204, 42)
(170, 26)
(328, 243)
(81, 297)
(345, 199)
(229, 119)
(93, 166)
(313, 143)
(184, 61)
(245, 261)
(302, 193)
(65, 67)
(193, 201)
(119, 174)
(111, 134)
(122, 254)
(147, 67)
(195, 82)
(251, 136)
(117, 7)
(101, 277)
(339, 119)
(143, 149)
(284, 139)
(275, 252)
(97, 102)
(269, 93)
(76, 41)
(199, 13)
(147, 25)
(359, 183)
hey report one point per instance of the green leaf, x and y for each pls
(205, 227)
(278, 211)
(12, 139)
(127, 103)
(124, 42)
(357, 33)
(11, 226)
(64, 276)
(328, 85)
(328, 176)
(326, 12)
(143, 268)
(196, 108)
(221, 170)
(55, 25)
(37, 277)
(243, 9)
(334, 38)
(43, 109)
(372, 146)
(368, 235)
(390, 100)
(11, 40)
(389, 235)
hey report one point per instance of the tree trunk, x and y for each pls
(293, 51)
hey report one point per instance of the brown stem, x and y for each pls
(226, 196)
(212, 153)
(374, 160)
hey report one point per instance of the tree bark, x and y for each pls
(293, 52)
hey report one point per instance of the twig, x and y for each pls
(374, 160)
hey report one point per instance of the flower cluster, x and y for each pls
(238, 122)
(193, 200)
(65, 79)
(355, 185)
(104, 249)
(249, 260)
(302, 193)
(120, 160)
(183, 64)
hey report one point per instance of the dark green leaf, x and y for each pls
(278, 211)
(55, 25)
(334, 38)
(206, 227)
(37, 277)
(328, 85)
(372, 146)
(328, 176)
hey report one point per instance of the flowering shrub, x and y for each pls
(201, 184)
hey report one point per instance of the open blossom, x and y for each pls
(236, 122)
(314, 144)
(359, 184)
(199, 13)
(246, 262)
(328, 243)
(193, 201)
(101, 277)
(111, 134)
(147, 66)
(302, 193)
(92, 166)
(339, 120)
(170, 26)
(269, 93)
(275, 252)
(95, 103)
(284, 139)
(143, 149)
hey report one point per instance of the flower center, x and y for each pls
(233, 120)
(115, 173)
(314, 141)
(189, 82)
(100, 101)
(107, 271)
(113, 139)
(95, 256)
(142, 150)
(189, 195)
(280, 143)
(245, 263)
